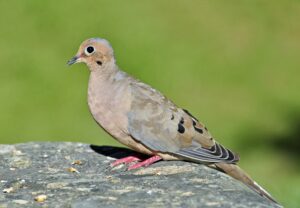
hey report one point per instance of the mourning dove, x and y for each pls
(143, 119)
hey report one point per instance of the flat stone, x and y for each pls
(44, 169)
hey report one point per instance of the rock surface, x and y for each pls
(79, 175)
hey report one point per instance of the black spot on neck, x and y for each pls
(99, 63)
(172, 118)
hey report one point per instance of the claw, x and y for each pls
(145, 163)
(125, 160)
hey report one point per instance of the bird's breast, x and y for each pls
(108, 105)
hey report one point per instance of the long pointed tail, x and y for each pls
(239, 174)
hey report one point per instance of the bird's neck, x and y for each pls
(104, 84)
(107, 79)
(104, 73)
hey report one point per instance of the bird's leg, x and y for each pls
(145, 163)
(126, 160)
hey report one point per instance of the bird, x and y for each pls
(143, 119)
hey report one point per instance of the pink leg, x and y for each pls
(145, 163)
(125, 160)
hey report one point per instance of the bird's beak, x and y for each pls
(73, 60)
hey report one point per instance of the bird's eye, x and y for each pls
(89, 50)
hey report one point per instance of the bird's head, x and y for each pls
(96, 53)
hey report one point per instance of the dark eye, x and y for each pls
(89, 50)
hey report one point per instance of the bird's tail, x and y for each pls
(239, 174)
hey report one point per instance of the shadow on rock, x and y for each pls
(116, 152)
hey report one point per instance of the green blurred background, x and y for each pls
(234, 64)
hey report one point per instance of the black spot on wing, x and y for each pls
(187, 112)
(180, 129)
(172, 118)
(198, 130)
(194, 122)
(181, 121)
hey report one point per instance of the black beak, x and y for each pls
(72, 60)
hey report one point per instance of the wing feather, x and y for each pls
(159, 124)
(216, 153)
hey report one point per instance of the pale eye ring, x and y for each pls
(89, 50)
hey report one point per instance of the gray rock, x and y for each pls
(79, 175)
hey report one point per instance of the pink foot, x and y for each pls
(125, 160)
(145, 163)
